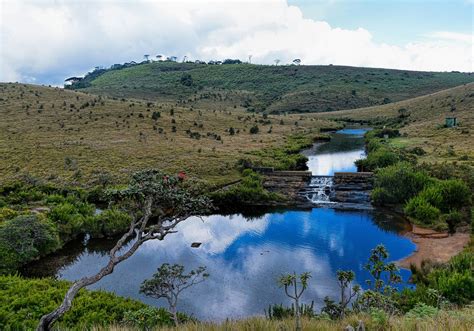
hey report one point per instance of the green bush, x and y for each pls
(422, 210)
(455, 281)
(7, 213)
(25, 238)
(453, 219)
(380, 158)
(421, 311)
(71, 217)
(249, 191)
(398, 183)
(149, 318)
(113, 221)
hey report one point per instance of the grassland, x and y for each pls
(421, 121)
(74, 137)
(270, 88)
(450, 320)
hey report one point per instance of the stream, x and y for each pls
(245, 254)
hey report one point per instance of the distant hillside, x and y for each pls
(273, 89)
(68, 136)
(422, 122)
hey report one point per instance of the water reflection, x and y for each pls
(339, 154)
(244, 258)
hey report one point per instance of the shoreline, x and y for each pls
(432, 245)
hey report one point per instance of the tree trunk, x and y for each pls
(47, 320)
(175, 314)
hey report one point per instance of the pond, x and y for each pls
(245, 255)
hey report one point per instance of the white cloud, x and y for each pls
(45, 41)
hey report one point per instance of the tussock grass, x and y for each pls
(67, 136)
(456, 320)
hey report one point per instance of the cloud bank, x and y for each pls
(46, 41)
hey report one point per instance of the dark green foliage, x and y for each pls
(398, 183)
(249, 191)
(254, 129)
(25, 238)
(380, 158)
(24, 301)
(453, 281)
(109, 222)
(186, 80)
(71, 217)
(279, 312)
(422, 210)
(155, 115)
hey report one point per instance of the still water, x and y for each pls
(245, 255)
(339, 154)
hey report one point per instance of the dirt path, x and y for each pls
(432, 245)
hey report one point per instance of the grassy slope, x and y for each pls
(42, 137)
(275, 89)
(424, 125)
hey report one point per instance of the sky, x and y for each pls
(46, 41)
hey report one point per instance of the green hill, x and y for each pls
(273, 89)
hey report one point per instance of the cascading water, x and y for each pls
(319, 189)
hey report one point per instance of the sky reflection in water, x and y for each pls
(245, 257)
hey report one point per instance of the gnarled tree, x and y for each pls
(157, 203)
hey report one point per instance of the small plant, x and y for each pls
(297, 284)
(169, 281)
(254, 129)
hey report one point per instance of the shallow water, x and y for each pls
(245, 255)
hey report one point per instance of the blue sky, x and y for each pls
(45, 41)
(393, 21)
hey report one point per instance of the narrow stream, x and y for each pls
(245, 254)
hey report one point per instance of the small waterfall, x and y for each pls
(319, 189)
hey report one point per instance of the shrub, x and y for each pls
(453, 219)
(113, 221)
(379, 158)
(455, 281)
(7, 213)
(25, 238)
(422, 210)
(24, 301)
(148, 318)
(71, 217)
(254, 129)
(400, 182)
(422, 311)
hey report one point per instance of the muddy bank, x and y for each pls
(434, 246)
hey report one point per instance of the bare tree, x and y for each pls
(169, 281)
(156, 203)
(250, 58)
(295, 281)
(277, 61)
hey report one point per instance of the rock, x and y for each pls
(361, 326)
(349, 328)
